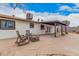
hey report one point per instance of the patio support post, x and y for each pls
(54, 29)
(66, 29)
(62, 30)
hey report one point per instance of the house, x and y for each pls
(9, 25)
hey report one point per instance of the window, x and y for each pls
(42, 27)
(31, 25)
(48, 29)
(7, 25)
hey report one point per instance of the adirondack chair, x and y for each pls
(35, 38)
(28, 34)
(21, 39)
(31, 37)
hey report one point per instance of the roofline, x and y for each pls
(16, 18)
(21, 19)
(54, 22)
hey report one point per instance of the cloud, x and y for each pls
(68, 8)
(74, 19)
(48, 16)
(7, 10)
(65, 8)
(55, 17)
(4, 5)
(4, 8)
(76, 5)
(36, 15)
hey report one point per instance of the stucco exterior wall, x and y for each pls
(4, 34)
(22, 26)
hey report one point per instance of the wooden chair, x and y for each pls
(31, 37)
(34, 39)
(21, 39)
(28, 34)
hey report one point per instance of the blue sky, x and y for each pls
(47, 7)
(46, 11)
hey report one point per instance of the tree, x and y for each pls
(66, 22)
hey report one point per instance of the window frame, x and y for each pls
(48, 29)
(6, 28)
(31, 25)
(43, 27)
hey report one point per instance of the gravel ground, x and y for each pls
(48, 45)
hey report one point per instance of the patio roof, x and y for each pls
(53, 22)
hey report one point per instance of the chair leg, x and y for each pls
(17, 40)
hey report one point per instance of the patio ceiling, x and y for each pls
(53, 23)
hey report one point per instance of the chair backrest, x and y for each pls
(27, 32)
(18, 34)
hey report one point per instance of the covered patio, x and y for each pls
(62, 25)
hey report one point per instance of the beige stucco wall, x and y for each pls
(7, 33)
(21, 26)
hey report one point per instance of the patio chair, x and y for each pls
(21, 39)
(31, 37)
(34, 39)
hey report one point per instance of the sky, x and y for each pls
(45, 11)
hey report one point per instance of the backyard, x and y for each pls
(48, 45)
